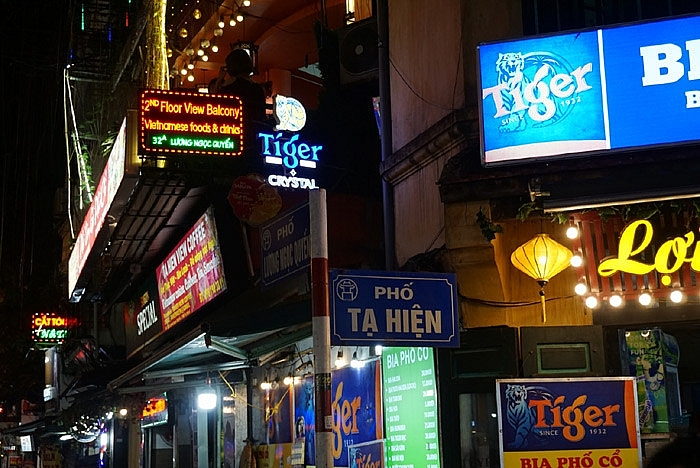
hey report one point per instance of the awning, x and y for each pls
(240, 333)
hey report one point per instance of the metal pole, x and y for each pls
(321, 324)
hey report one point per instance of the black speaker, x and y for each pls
(359, 51)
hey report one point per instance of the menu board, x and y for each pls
(410, 408)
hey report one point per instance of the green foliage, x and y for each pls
(488, 228)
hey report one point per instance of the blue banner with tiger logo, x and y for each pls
(590, 422)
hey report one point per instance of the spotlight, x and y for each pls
(206, 398)
(340, 360)
(676, 296)
(615, 300)
(355, 363)
(576, 260)
(645, 298)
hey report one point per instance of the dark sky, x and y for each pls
(33, 151)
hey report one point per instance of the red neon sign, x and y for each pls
(190, 123)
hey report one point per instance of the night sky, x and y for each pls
(32, 171)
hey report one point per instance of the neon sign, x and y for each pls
(669, 257)
(50, 328)
(190, 123)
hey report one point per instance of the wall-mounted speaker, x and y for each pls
(358, 45)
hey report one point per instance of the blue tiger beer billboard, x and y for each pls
(591, 91)
(568, 422)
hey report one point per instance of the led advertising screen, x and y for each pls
(410, 407)
(192, 274)
(188, 122)
(590, 91)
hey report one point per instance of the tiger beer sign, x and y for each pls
(569, 422)
(586, 92)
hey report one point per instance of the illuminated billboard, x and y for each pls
(410, 407)
(590, 91)
(588, 421)
(192, 274)
(188, 122)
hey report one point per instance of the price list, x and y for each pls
(410, 408)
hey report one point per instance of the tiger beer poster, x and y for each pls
(568, 422)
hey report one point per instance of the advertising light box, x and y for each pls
(590, 91)
(192, 274)
(410, 407)
(188, 122)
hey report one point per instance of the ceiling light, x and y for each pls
(205, 58)
(580, 289)
(218, 32)
(266, 384)
(214, 48)
(232, 21)
(204, 43)
(200, 52)
(190, 66)
(239, 17)
(246, 3)
(190, 78)
(221, 23)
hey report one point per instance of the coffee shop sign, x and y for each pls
(669, 257)
(290, 152)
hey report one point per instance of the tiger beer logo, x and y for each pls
(535, 89)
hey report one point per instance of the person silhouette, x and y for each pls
(235, 79)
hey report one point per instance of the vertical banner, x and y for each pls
(584, 422)
(411, 407)
(304, 421)
(356, 408)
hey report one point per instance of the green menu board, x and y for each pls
(410, 408)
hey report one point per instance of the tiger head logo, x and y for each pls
(509, 65)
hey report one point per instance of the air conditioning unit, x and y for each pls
(359, 51)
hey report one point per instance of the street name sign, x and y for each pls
(394, 308)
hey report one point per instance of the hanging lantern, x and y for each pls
(541, 258)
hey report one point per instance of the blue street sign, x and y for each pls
(394, 308)
(284, 245)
